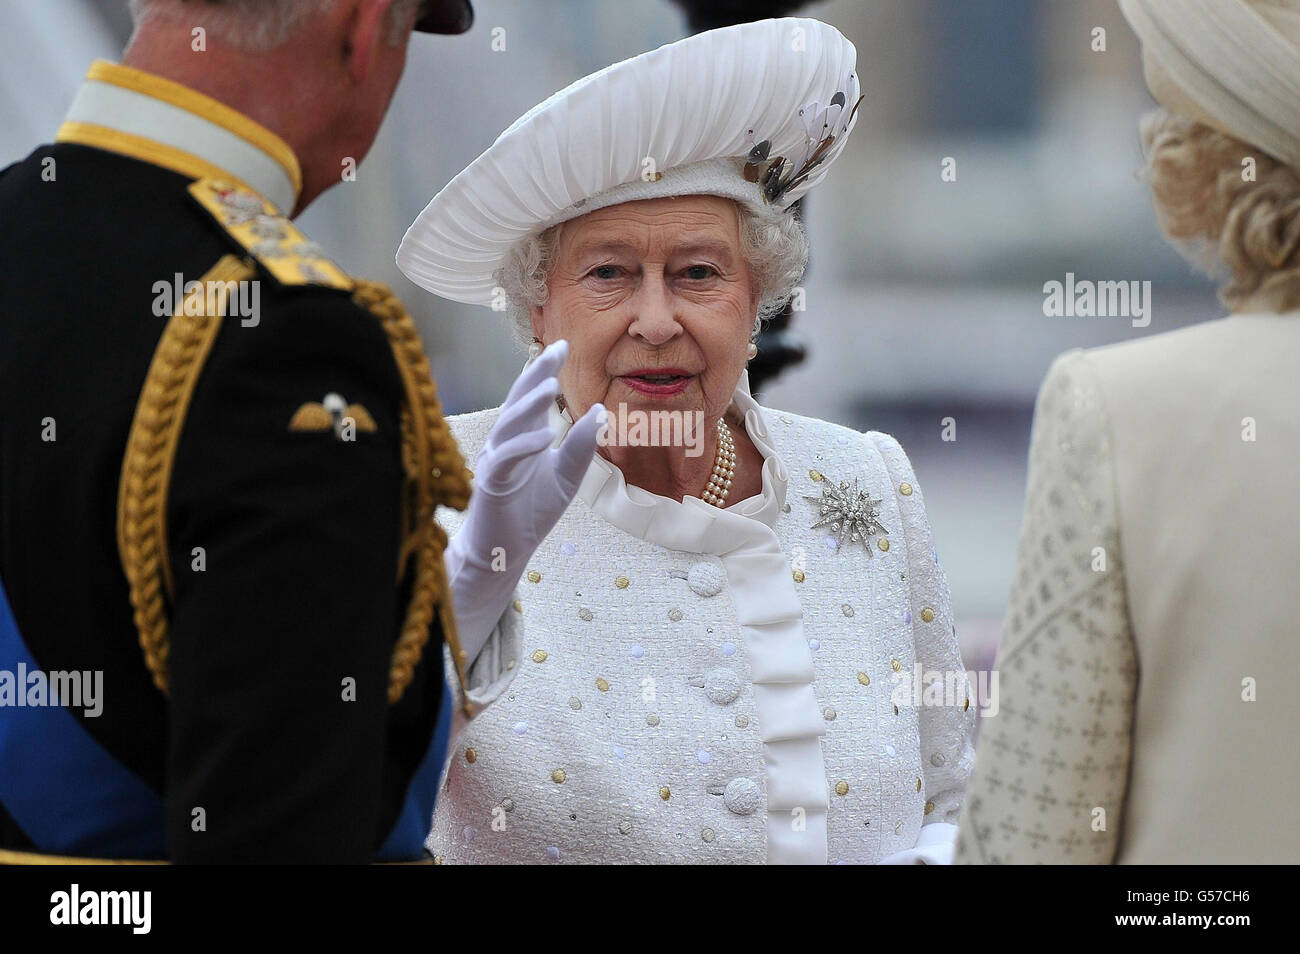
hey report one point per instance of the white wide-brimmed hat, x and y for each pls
(755, 112)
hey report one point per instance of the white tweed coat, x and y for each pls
(707, 686)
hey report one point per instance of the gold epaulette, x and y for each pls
(268, 236)
(435, 474)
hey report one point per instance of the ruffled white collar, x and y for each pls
(690, 523)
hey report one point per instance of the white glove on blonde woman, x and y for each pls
(522, 486)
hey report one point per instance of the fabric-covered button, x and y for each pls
(706, 579)
(722, 686)
(741, 796)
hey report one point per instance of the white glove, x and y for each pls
(521, 488)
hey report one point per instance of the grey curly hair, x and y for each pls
(1219, 219)
(775, 246)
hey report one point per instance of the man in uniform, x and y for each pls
(223, 598)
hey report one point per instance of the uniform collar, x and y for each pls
(138, 114)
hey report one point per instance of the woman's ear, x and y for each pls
(536, 319)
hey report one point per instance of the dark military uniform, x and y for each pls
(228, 517)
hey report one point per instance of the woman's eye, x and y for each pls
(699, 272)
(605, 272)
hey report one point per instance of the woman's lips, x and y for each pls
(658, 384)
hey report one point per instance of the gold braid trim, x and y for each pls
(436, 474)
(150, 452)
(9, 857)
(434, 467)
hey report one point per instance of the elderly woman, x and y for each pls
(1149, 656)
(722, 629)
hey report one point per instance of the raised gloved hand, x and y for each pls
(522, 485)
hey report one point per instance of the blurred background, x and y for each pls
(924, 299)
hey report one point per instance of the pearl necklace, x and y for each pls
(724, 468)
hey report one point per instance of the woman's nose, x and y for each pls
(655, 313)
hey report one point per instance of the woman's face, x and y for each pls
(654, 287)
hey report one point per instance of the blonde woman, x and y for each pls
(1150, 651)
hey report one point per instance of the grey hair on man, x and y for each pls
(775, 246)
(257, 26)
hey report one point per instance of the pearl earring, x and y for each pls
(753, 350)
(534, 349)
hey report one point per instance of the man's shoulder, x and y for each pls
(263, 234)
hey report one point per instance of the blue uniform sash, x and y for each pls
(64, 790)
(406, 841)
(72, 797)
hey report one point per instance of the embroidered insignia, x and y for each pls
(268, 236)
(852, 513)
(332, 414)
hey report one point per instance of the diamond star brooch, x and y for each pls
(850, 513)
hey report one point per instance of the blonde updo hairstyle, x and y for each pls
(1244, 233)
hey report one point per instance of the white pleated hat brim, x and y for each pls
(695, 108)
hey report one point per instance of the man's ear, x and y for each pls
(366, 29)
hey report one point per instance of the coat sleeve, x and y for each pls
(492, 666)
(284, 546)
(947, 751)
(1053, 757)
